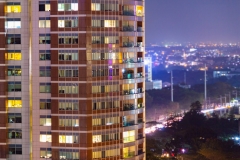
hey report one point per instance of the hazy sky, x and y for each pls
(192, 21)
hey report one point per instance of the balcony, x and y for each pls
(129, 154)
(128, 123)
(128, 44)
(139, 29)
(128, 107)
(128, 12)
(128, 28)
(128, 76)
(140, 120)
(131, 60)
(139, 75)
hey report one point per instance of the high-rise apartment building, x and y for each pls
(71, 79)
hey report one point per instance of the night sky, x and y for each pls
(192, 21)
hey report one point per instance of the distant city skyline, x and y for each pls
(183, 21)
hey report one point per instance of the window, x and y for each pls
(14, 102)
(68, 38)
(104, 7)
(104, 23)
(106, 137)
(44, 22)
(14, 118)
(106, 153)
(71, 5)
(14, 71)
(105, 40)
(13, 55)
(45, 103)
(96, 6)
(15, 149)
(14, 86)
(105, 121)
(139, 10)
(45, 120)
(13, 7)
(14, 133)
(69, 154)
(45, 137)
(45, 88)
(105, 72)
(67, 22)
(128, 152)
(105, 89)
(44, 5)
(44, 55)
(105, 105)
(68, 104)
(44, 39)
(67, 55)
(110, 23)
(68, 88)
(68, 138)
(105, 56)
(128, 136)
(68, 121)
(45, 71)
(13, 39)
(45, 153)
(68, 71)
(13, 23)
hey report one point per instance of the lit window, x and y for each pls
(68, 138)
(68, 6)
(13, 55)
(67, 55)
(45, 103)
(45, 120)
(96, 6)
(128, 152)
(44, 5)
(110, 23)
(14, 133)
(67, 22)
(97, 138)
(68, 88)
(13, 23)
(45, 137)
(13, 7)
(44, 22)
(128, 136)
(45, 88)
(14, 102)
(14, 71)
(68, 121)
(139, 10)
(68, 72)
(68, 105)
(45, 153)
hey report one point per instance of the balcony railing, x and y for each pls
(128, 12)
(139, 29)
(127, 92)
(140, 120)
(128, 28)
(128, 76)
(128, 107)
(139, 75)
(128, 139)
(129, 123)
(128, 44)
(130, 60)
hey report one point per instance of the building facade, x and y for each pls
(71, 79)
